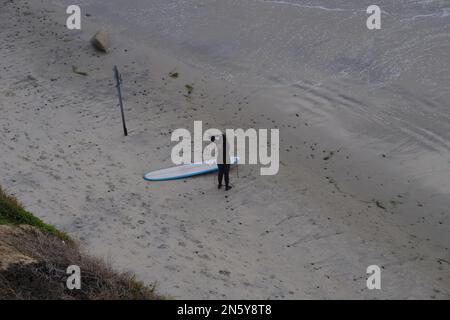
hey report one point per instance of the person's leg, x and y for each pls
(227, 176)
(221, 172)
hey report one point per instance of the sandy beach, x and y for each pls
(364, 173)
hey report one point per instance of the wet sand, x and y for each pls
(343, 199)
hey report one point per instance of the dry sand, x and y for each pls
(308, 232)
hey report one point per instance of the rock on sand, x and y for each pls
(100, 41)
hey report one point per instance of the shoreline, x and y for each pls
(273, 237)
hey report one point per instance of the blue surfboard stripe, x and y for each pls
(187, 175)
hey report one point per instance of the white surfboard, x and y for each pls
(186, 170)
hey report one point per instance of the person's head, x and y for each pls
(213, 138)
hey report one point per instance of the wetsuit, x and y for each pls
(223, 161)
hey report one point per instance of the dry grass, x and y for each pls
(53, 252)
(46, 279)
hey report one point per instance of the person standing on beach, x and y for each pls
(223, 159)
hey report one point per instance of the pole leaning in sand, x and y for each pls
(118, 77)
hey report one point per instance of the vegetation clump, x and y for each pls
(34, 258)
